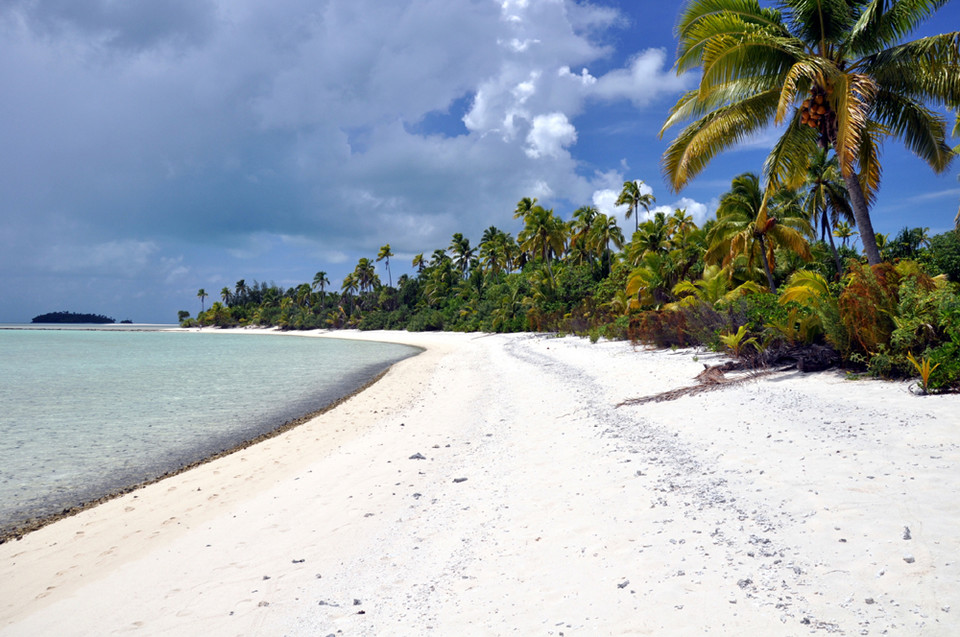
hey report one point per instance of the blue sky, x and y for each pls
(151, 149)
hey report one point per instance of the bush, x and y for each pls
(943, 255)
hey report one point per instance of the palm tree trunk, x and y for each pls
(862, 216)
(827, 232)
(766, 264)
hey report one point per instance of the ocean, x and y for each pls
(88, 412)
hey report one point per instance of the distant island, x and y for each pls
(71, 317)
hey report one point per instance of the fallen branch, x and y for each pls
(712, 377)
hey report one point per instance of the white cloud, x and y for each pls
(647, 78)
(550, 135)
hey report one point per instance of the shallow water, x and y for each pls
(84, 413)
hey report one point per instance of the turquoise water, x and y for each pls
(84, 413)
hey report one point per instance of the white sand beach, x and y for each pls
(492, 486)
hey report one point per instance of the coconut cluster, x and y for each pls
(816, 109)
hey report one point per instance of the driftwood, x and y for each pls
(712, 377)
(773, 360)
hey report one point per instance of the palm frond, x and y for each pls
(921, 129)
(786, 165)
(882, 23)
(854, 95)
(703, 19)
(700, 141)
(926, 69)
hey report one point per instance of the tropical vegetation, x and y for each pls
(776, 275)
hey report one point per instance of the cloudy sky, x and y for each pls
(148, 149)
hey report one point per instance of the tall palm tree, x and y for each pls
(631, 197)
(834, 72)
(225, 295)
(202, 294)
(827, 202)
(320, 281)
(747, 225)
(385, 253)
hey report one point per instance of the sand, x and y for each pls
(492, 486)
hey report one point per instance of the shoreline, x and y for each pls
(18, 530)
(491, 484)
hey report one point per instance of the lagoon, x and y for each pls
(88, 412)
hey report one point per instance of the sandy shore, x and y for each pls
(492, 486)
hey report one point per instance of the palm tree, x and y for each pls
(419, 263)
(462, 253)
(844, 232)
(833, 72)
(543, 235)
(604, 232)
(631, 197)
(746, 225)
(385, 253)
(303, 295)
(653, 235)
(240, 292)
(713, 289)
(225, 295)
(496, 250)
(524, 206)
(321, 281)
(827, 202)
(680, 224)
(581, 226)
(349, 285)
(366, 274)
(202, 294)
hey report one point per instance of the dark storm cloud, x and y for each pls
(197, 139)
(124, 25)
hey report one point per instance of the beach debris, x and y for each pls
(906, 533)
(299, 561)
(909, 559)
(623, 584)
(869, 600)
(418, 456)
(744, 582)
(356, 602)
(459, 480)
(712, 377)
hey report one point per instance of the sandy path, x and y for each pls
(778, 507)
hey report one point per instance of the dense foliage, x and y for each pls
(727, 284)
(71, 317)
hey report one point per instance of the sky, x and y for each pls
(150, 149)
